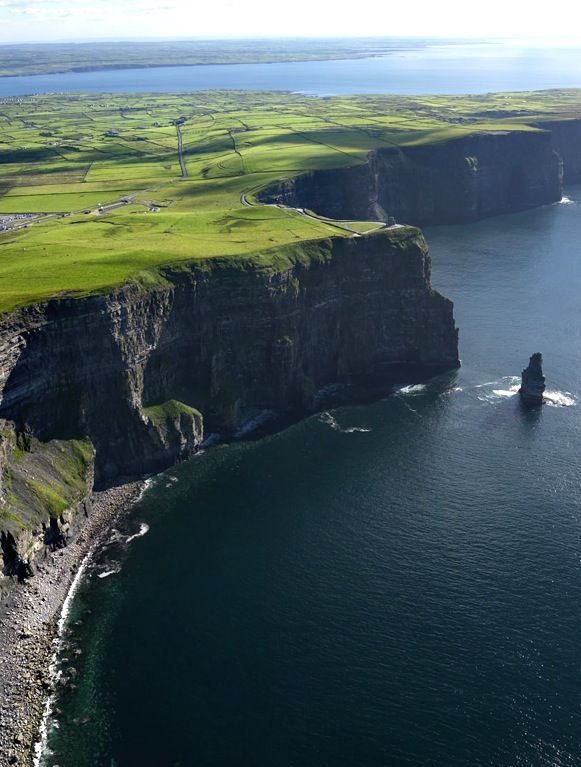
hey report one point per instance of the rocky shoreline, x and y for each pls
(28, 628)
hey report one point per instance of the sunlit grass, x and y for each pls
(65, 154)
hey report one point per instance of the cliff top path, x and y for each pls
(94, 190)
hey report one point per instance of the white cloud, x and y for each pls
(21, 19)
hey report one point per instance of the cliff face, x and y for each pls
(45, 492)
(566, 140)
(145, 373)
(453, 181)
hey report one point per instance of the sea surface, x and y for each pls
(468, 68)
(395, 584)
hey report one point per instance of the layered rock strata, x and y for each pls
(144, 373)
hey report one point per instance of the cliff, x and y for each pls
(148, 370)
(566, 141)
(44, 493)
(454, 181)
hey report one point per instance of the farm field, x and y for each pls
(93, 190)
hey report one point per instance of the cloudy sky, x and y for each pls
(52, 20)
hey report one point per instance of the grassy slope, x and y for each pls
(43, 480)
(68, 154)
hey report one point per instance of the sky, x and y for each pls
(56, 20)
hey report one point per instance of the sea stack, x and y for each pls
(533, 382)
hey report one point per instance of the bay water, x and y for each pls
(429, 68)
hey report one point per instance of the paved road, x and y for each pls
(319, 219)
(181, 153)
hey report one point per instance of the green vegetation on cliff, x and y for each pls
(41, 479)
(170, 410)
(104, 195)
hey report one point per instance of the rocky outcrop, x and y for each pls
(146, 372)
(533, 382)
(454, 181)
(45, 490)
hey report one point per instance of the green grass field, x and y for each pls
(61, 157)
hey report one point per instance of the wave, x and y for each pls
(331, 421)
(508, 386)
(505, 387)
(412, 389)
(559, 398)
(566, 201)
(146, 485)
(507, 392)
(40, 747)
(107, 573)
(143, 530)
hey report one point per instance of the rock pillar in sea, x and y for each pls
(533, 382)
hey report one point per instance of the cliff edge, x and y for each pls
(447, 182)
(144, 373)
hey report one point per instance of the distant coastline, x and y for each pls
(61, 58)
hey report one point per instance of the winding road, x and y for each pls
(319, 219)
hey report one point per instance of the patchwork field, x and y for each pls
(93, 189)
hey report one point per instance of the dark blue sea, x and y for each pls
(395, 584)
(468, 68)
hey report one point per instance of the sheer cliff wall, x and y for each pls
(454, 181)
(144, 373)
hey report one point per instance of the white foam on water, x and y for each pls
(114, 537)
(508, 386)
(412, 389)
(566, 201)
(505, 387)
(506, 392)
(331, 421)
(107, 573)
(40, 747)
(146, 485)
(143, 530)
(559, 398)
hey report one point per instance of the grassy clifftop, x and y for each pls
(92, 190)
